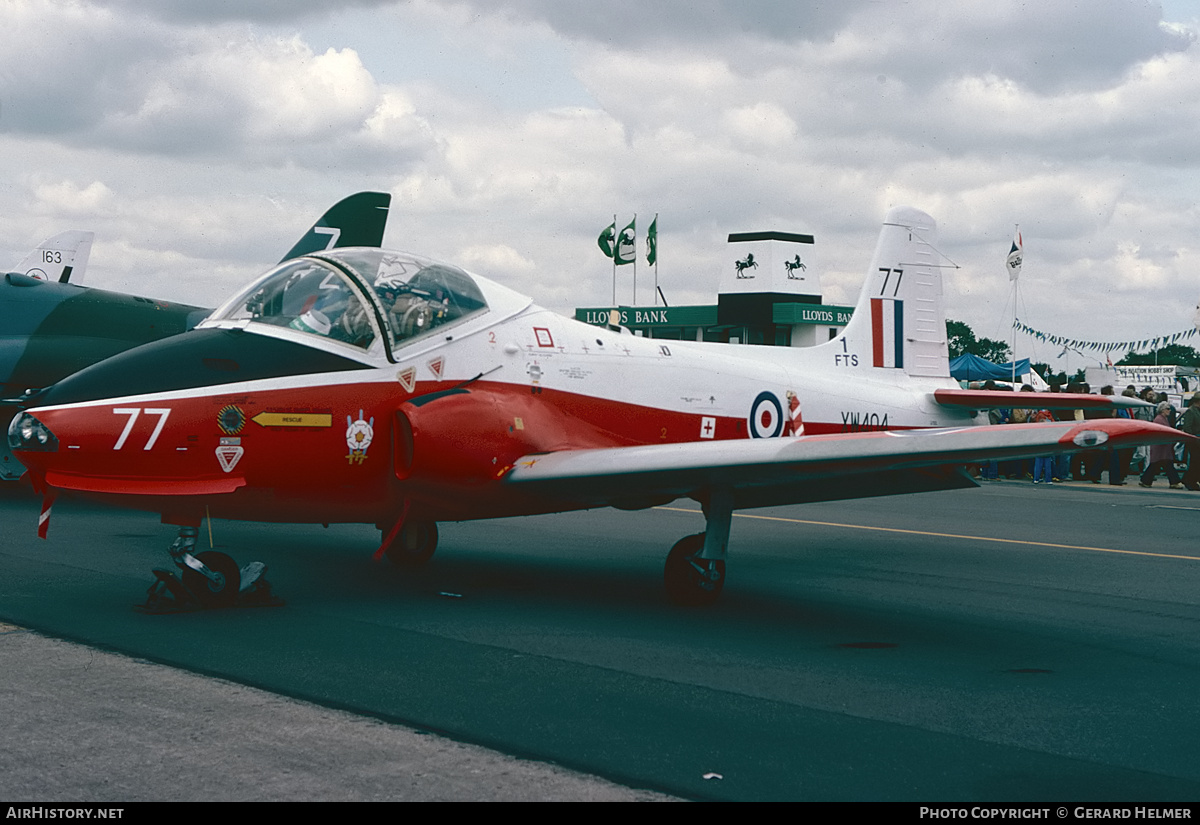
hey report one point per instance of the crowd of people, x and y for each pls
(1090, 465)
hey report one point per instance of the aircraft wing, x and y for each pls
(772, 471)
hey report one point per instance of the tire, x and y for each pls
(221, 593)
(685, 585)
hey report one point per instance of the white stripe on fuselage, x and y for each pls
(541, 348)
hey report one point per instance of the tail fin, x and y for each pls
(899, 322)
(358, 220)
(59, 258)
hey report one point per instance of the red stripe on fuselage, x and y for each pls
(310, 474)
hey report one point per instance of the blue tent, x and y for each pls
(968, 367)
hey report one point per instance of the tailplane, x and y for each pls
(358, 220)
(62, 258)
(899, 322)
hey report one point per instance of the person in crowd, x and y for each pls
(1162, 456)
(1070, 466)
(991, 470)
(1148, 413)
(1062, 462)
(1022, 468)
(1141, 456)
(1190, 424)
(1081, 462)
(1109, 458)
(1130, 456)
(1043, 465)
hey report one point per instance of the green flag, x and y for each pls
(625, 250)
(652, 242)
(606, 239)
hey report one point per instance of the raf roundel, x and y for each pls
(766, 416)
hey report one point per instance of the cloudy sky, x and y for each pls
(199, 138)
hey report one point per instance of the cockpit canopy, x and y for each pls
(357, 296)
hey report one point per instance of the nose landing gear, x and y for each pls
(209, 579)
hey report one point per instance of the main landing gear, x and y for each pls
(410, 543)
(206, 580)
(694, 574)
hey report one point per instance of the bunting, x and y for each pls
(1146, 344)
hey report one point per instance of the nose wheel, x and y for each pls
(214, 581)
(206, 580)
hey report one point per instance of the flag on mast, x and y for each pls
(652, 242)
(625, 250)
(606, 239)
(1014, 257)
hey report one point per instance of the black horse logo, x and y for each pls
(792, 266)
(742, 266)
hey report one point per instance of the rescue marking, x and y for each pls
(293, 419)
(544, 339)
(708, 427)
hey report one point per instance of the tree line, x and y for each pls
(963, 340)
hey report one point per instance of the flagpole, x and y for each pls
(1015, 274)
(655, 225)
(1014, 336)
(614, 263)
(635, 259)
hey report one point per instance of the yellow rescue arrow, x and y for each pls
(290, 419)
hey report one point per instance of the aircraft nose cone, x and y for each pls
(27, 434)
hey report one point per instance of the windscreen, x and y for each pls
(310, 296)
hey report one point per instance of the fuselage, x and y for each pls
(274, 422)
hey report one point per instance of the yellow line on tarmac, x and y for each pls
(946, 535)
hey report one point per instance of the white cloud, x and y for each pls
(509, 134)
(765, 125)
(69, 198)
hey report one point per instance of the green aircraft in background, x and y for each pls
(51, 327)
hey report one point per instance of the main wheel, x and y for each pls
(219, 593)
(692, 581)
(414, 545)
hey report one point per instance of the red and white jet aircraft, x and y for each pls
(359, 385)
